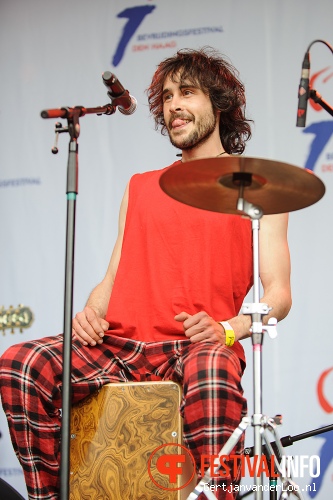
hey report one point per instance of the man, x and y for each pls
(176, 272)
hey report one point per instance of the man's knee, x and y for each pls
(25, 359)
(212, 357)
(10, 356)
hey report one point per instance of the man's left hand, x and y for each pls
(201, 326)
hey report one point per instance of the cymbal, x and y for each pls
(214, 184)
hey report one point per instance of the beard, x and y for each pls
(202, 130)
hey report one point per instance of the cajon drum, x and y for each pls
(117, 437)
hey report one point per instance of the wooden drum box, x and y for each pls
(118, 437)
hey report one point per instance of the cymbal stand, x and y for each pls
(256, 310)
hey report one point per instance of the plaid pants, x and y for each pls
(31, 381)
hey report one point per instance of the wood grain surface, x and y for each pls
(115, 433)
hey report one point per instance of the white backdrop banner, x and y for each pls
(52, 54)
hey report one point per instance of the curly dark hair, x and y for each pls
(218, 79)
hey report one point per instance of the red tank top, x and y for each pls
(176, 258)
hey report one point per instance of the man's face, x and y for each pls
(188, 114)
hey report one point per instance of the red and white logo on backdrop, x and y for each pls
(322, 386)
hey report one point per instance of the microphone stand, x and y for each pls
(313, 94)
(285, 441)
(72, 115)
(316, 97)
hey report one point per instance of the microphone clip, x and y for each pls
(120, 97)
(58, 129)
(121, 100)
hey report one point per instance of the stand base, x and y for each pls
(7, 492)
(264, 425)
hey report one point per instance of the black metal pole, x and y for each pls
(313, 94)
(289, 440)
(72, 191)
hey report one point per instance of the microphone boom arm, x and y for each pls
(316, 97)
(68, 113)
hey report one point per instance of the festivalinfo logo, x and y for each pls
(168, 469)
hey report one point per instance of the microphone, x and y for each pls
(118, 95)
(303, 91)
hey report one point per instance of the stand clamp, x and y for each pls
(261, 309)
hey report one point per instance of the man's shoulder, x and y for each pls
(151, 174)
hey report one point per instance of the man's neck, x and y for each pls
(203, 151)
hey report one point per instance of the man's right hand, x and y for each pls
(88, 327)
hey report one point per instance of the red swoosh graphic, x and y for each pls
(326, 406)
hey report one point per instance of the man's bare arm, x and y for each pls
(275, 278)
(89, 325)
(274, 266)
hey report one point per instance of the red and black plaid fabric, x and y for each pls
(31, 380)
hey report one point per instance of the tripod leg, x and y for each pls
(227, 448)
(289, 486)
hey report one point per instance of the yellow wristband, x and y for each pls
(229, 333)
